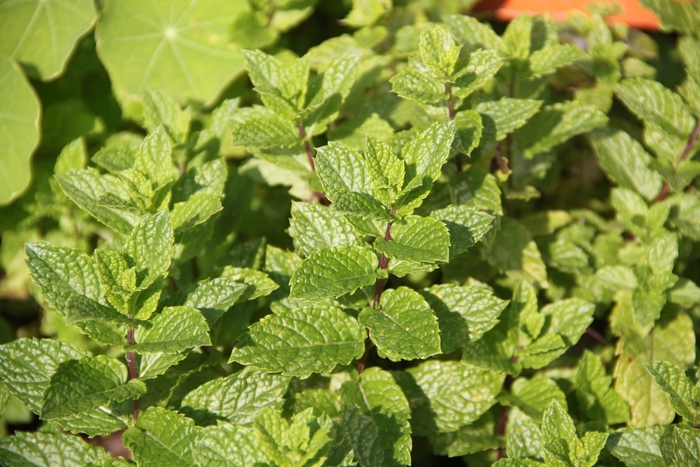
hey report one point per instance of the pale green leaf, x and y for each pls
(471, 31)
(27, 449)
(196, 210)
(523, 439)
(367, 12)
(517, 38)
(100, 421)
(333, 272)
(469, 130)
(342, 169)
(315, 227)
(159, 109)
(236, 398)
(548, 59)
(79, 385)
(224, 445)
(212, 297)
(386, 170)
(675, 16)
(403, 326)
(420, 239)
(376, 419)
(447, 395)
(30, 33)
(154, 157)
(174, 330)
(281, 88)
(359, 205)
(19, 118)
(162, 437)
(596, 398)
(680, 446)
(482, 66)
(465, 224)
(505, 115)
(678, 386)
(533, 396)
(686, 214)
(301, 342)
(150, 247)
(179, 48)
(258, 283)
(637, 447)
(438, 52)
(261, 128)
(80, 308)
(471, 439)
(415, 85)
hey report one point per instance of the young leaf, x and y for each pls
(161, 109)
(469, 30)
(505, 115)
(597, 399)
(419, 239)
(315, 227)
(414, 85)
(386, 171)
(465, 224)
(678, 386)
(548, 59)
(403, 327)
(27, 449)
(637, 447)
(225, 444)
(262, 128)
(301, 342)
(149, 247)
(482, 66)
(174, 330)
(342, 169)
(212, 297)
(438, 52)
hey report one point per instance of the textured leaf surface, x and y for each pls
(342, 169)
(549, 58)
(25, 449)
(150, 247)
(438, 52)
(446, 395)
(302, 341)
(174, 330)
(162, 437)
(225, 444)
(469, 30)
(375, 419)
(421, 239)
(212, 297)
(595, 395)
(385, 169)
(333, 272)
(681, 445)
(482, 66)
(637, 447)
(19, 117)
(465, 224)
(265, 130)
(403, 327)
(315, 227)
(505, 115)
(414, 85)
(678, 386)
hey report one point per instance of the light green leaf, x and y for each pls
(675, 16)
(150, 248)
(684, 293)
(465, 224)
(375, 419)
(386, 170)
(686, 215)
(523, 440)
(20, 119)
(477, 188)
(179, 48)
(162, 437)
(237, 398)
(403, 327)
(80, 308)
(333, 272)
(26, 365)
(482, 66)
(212, 297)
(174, 330)
(631, 209)
(196, 210)
(533, 396)
(548, 59)
(314, 227)
(517, 37)
(301, 342)
(505, 115)
(262, 128)
(225, 444)
(281, 88)
(678, 386)
(680, 445)
(447, 395)
(637, 447)
(596, 398)
(29, 33)
(438, 52)
(420, 239)
(415, 85)
(468, 134)
(258, 283)
(367, 12)
(626, 162)
(27, 449)
(556, 124)
(471, 439)
(160, 109)
(100, 421)
(342, 169)
(562, 446)
(471, 31)
(362, 206)
(464, 313)
(79, 385)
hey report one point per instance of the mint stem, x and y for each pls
(451, 114)
(686, 152)
(133, 370)
(307, 146)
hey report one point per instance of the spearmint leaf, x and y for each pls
(403, 327)
(315, 227)
(471, 439)
(523, 440)
(258, 283)
(236, 398)
(174, 330)
(517, 37)
(438, 52)
(281, 88)
(211, 297)
(637, 447)
(162, 437)
(518, 463)
(548, 59)
(675, 16)
(626, 162)
(681, 446)
(464, 313)
(367, 12)
(197, 209)
(301, 342)
(150, 247)
(447, 395)
(558, 123)
(562, 446)
(261, 128)
(362, 206)
(333, 272)
(342, 169)
(686, 215)
(376, 419)
(79, 308)
(505, 115)
(596, 398)
(225, 444)
(100, 421)
(26, 365)
(415, 85)
(25, 449)
(678, 386)
(161, 109)
(79, 385)
(420, 239)
(465, 224)
(386, 170)
(533, 396)
(154, 157)
(482, 66)
(469, 30)
(468, 134)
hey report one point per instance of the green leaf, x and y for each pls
(237, 398)
(386, 170)
(79, 385)
(314, 227)
(258, 283)
(179, 49)
(150, 248)
(162, 437)
(556, 124)
(333, 272)
(26, 449)
(678, 386)
(154, 157)
(465, 224)
(301, 342)
(212, 297)
(626, 162)
(160, 109)
(415, 85)
(225, 444)
(505, 115)
(675, 16)
(79, 309)
(482, 66)
(533, 396)
(261, 128)
(562, 446)
(469, 130)
(420, 239)
(438, 52)
(367, 12)
(548, 59)
(637, 447)
(517, 37)
(281, 88)
(447, 395)
(471, 439)
(596, 398)
(30, 34)
(523, 440)
(471, 31)
(19, 117)
(403, 327)
(464, 313)
(26, 365)
(375, 419)
(342, 169)
(681, 445)
(686, 215)
(174, 330)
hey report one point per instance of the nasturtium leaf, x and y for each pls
(26, 449)
(333, 272)
(236, 398)
(150, 247)
(464, 313)
(415, 85)
(180, 48)
(315, 227)
(447, 395)
(174, 330)
(505, 115)
(680, 445)
(420, 239)
(26, 365)
(596, 398)
(42, 35)
(162, 437)
(79, 385)
(342, 169)
(465, 224)
(301, 342)
(678, 386)
(376, 419)
(403, 326)
(637, 447)
(19, 118)
(438, 52)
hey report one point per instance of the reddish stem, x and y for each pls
(686, 152)
(307, 146)
(133, 370)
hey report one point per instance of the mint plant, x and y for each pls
(418, 239)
